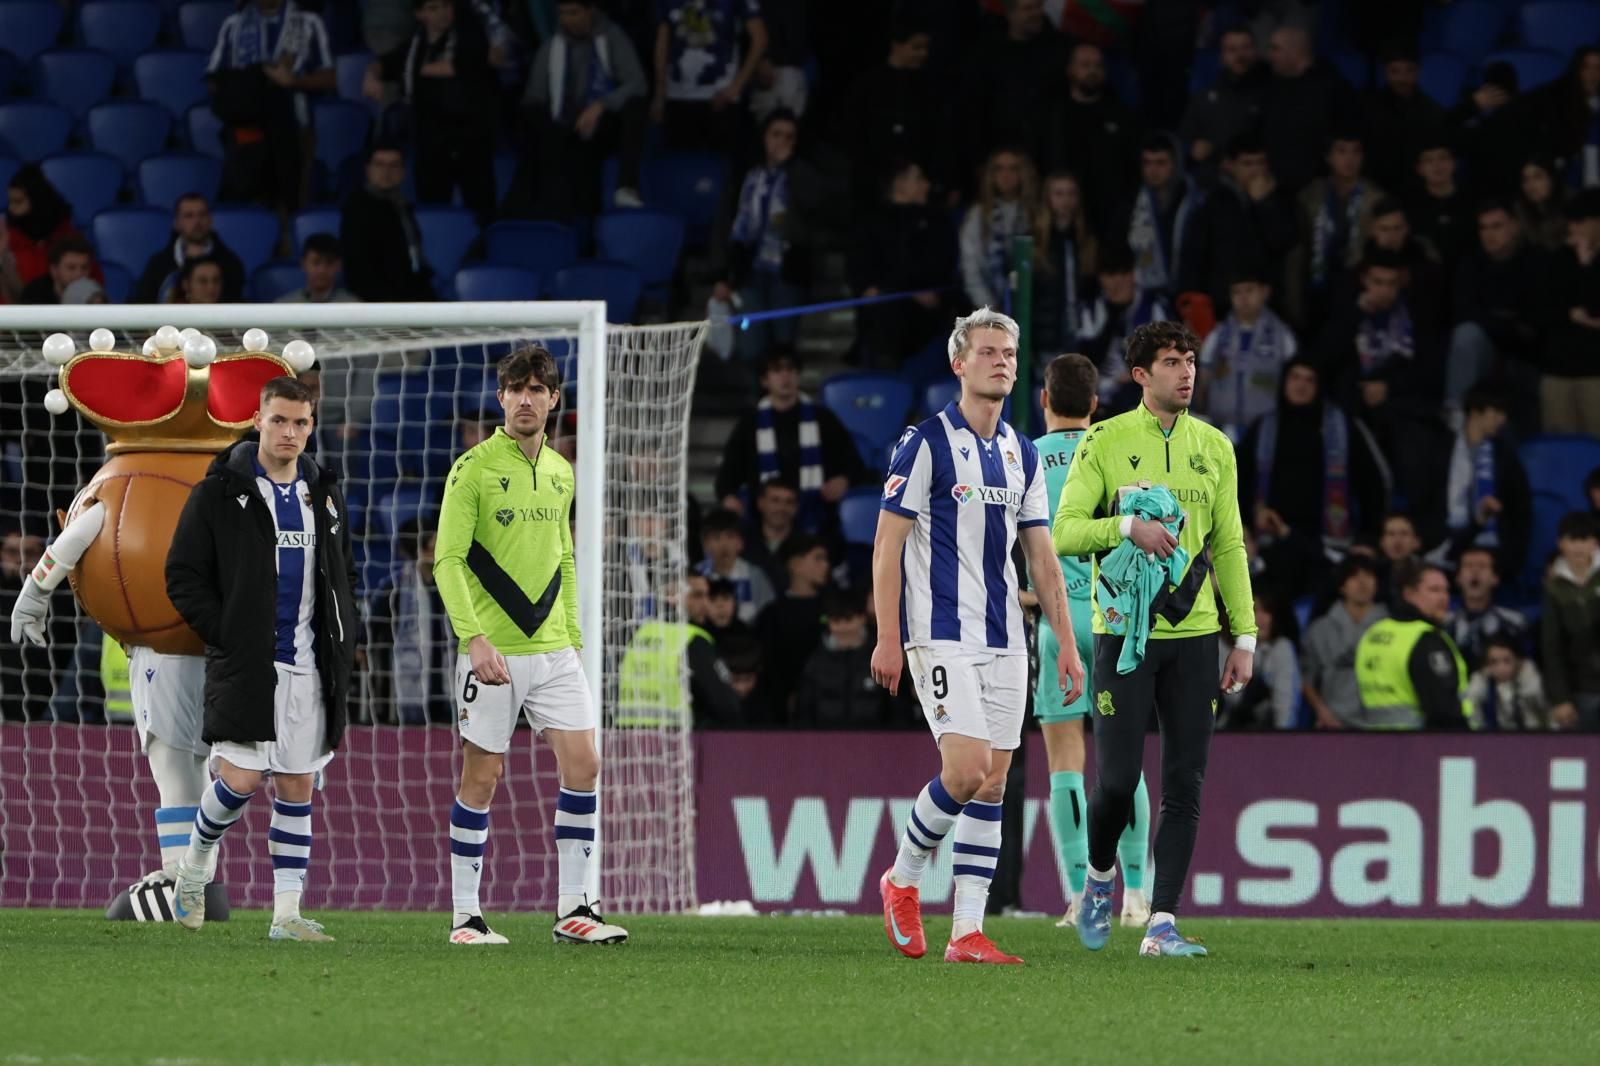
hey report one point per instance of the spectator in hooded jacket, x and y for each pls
(585, 100)
(446, 89)
(192, 238)
(379, 234)
(1570, 626)
(836, 686)
(905, 245)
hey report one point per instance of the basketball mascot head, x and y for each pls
(166, 413)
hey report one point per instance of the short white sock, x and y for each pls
(1102, 875)
(566, 904)
(1162, 916)
(965, 926)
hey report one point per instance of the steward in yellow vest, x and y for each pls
(1410, 673)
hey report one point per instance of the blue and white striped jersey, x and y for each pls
(969, 497)
(295, 530)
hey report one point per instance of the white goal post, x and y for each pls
(632, 385)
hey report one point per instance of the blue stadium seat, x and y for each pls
(119, 282)
(1471, 29)
(858, 516)
(131, 235)
(175, 79)
(1559, 25)
(89, 180)
(1548, 510)
(399, 420)
(124, 28)
(649, 240)
(688, 184)
(30, 130)
(618, 284)
(10, 73)
(1441, 77)
(1352, 66)
(543, 247)
(873, 408)
(1557, 465)
(1534, 68)
(205, 130)
(940, 393)
(274, 279)
(314, 220)
(28, 27)
(131, 130)
(341, 130)
(1203, 73)
(252, 233)
(409, 501)
(486, 282)
(73, 78)
(164, 178)
(349, 70)
(199, 21)
(447, 233)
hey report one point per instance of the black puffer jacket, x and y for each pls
(220, 578)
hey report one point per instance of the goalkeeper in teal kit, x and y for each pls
(1069, 399)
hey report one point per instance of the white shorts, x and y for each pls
(168, 693)
(301, 723)
(549, 688)
(972, 693)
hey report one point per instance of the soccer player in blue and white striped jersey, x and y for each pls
(963, 487)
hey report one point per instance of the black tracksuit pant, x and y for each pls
(1178, 680)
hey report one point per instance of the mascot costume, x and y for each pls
(166, 414)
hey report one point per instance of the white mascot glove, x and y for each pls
(27, 617)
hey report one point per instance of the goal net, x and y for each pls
(404, 389)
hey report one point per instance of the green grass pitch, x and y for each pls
(77, 989)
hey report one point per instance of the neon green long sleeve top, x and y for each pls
(503, 560)
(1196, 463)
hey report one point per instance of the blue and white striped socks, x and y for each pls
(174, 826)
(469, 836)
(976, 851)
(931, 818)
(220, 807)
(289, 844)
(576, 815)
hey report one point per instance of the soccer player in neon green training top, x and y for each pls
(1158, 443)
(1069, 399)
(503, 564)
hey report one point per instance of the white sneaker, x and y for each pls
(584, 926)
(298, 928)
(189, 897)
(1135, 909)
(475, 931)
(1069, 920)
(626, 197)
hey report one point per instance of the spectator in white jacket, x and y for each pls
(1507, 693)
(1007, 207)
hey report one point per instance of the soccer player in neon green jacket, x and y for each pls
(1158, 443)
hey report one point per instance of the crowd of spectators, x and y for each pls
(1396, 291)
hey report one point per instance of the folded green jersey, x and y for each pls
(1132, 581)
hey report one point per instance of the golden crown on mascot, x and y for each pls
(166, 413)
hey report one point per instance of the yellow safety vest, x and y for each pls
(114, 678)
(651, 688)
(1383, 674)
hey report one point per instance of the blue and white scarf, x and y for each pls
(1158, 256)
(261, 39)
(1479, 487)
(810, 454)
(1005, 222)
(600, 79)
(1382, 337)
(1069, 281)
(1336, 500)
(1325, 259)
(763, 198)
(1247, 364)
